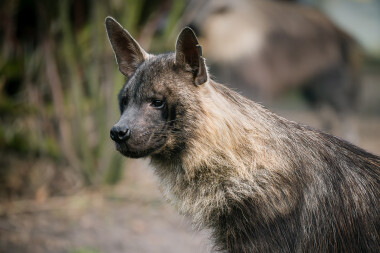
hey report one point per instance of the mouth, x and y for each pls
(131, 151)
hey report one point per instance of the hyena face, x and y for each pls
(158, 87)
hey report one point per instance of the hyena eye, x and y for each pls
(157, 104)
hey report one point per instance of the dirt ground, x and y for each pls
(131, 217)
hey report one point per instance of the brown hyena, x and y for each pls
(261, 183)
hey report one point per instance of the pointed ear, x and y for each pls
(129, 54)
(188, 55)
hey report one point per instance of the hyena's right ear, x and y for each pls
(129, 54)
(188, 54)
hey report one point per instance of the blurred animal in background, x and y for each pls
(267, 48)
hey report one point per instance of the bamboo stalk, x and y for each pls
(55, 85)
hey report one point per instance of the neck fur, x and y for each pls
(231, 157)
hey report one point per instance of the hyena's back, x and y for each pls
(306, 191)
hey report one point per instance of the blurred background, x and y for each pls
(63, 187)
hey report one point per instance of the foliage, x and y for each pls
(85, 250)
(59, 80)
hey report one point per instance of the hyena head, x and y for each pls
(159, 93)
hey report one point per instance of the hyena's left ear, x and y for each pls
(129, 54)
(189, 55)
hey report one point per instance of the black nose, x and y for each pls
(120, 133)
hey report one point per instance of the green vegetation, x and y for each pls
(85, 250)
(59, 80)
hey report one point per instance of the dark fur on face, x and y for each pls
(155, 130)
(261, 183)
